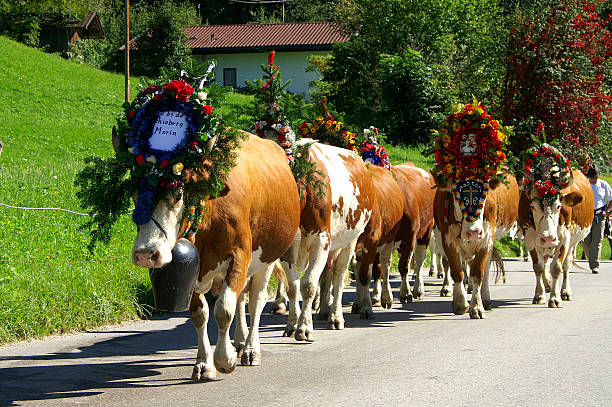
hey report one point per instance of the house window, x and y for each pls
(229, 77)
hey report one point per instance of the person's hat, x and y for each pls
(593, 171)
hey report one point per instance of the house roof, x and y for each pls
(90, 24)
(258, 37)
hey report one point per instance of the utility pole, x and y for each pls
(127, 50)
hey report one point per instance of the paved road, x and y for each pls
(418, 354)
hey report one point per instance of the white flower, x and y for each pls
(151, 159)
(366, 131)
(131, 150)
(202, 96)
(554, 169)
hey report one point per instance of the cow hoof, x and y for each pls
(366, 314)
(525, 259)
(440, 275)
(203, 373)
(289, 331)
(566, 295)
(487, 305)
(387, 303)
(375, 302)
(459, 309)
(336, 323)
(355, 308)
(477, 313)
(227, 369)
(445, 292)
(239, 349)
(301, 335)
(539, 299)
(250, 358)
(418, 295)
(279, 308)
(405, 298)
(555, 303)
(431, 273)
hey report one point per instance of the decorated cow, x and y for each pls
(555, 214)
(193, 178)
(476, 201)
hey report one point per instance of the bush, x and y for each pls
(92, 52)
(413, 100)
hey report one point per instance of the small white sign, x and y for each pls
(169, 131)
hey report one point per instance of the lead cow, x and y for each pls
(244, 232)
(552, 230)
(472, 241)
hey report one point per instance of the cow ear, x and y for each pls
(115, 140)
(493, 184)
(224, 191)
(571, 199)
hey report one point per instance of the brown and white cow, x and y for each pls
(243, 233)
(552, 232)
(330, 227)
(375, 246)
(472, 241)
(416, 228)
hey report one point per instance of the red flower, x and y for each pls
(194, 145)
(553, 191)
(271, 58)
(131, 115)
(207, 109)
(159, 97)
(164, 164)
(175, 86)
(184, 93)
(535, 153)
(527, 169)
(526, 181)
(140, 159)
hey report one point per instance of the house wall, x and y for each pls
(291, 64)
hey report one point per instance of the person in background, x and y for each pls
(602, 192)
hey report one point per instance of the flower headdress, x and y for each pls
(371, 151)
(329, 131)
(546, 169)
(161, 140)
(469, 145)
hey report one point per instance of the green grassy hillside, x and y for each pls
(54, 114)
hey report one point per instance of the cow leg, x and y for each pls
(460, 303)
(539, 266)
(258, 293)
(484, 291)
(555, 300)
(225, 355)
(420, 252)
(477, 270)
(293, 288)
(377, 275)
(445, 291)
(242, 330)
(405, 296)
(323, 292)
(340, 267)
(308, 287)
(386, 253)
(566, 289)
(204, 368)
(363, 267)
(279, 307)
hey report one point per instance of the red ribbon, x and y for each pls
(324, 109)
(271, 77)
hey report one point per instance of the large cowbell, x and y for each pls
(471, 195)
(173, 283)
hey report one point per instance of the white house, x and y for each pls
(240, 50)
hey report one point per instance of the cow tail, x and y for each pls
(500, 271)
(279, 273)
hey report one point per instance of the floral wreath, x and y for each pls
(546, 169)
(371, 151)
(329, 131)
(163, 142)
(470, 150)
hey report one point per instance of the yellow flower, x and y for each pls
(177, 168)
(483, 126)
(319, 118)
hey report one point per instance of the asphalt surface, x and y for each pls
(418, 354)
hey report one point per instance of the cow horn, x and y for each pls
(211, 142)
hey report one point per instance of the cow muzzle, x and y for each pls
(146, 258)
(473, 234)
(548, 240)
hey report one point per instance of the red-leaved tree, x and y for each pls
(555, 74)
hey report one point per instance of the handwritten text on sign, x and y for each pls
(169, 131)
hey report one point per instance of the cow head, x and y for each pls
(469, 204)
(546, 214)
(159, 230)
